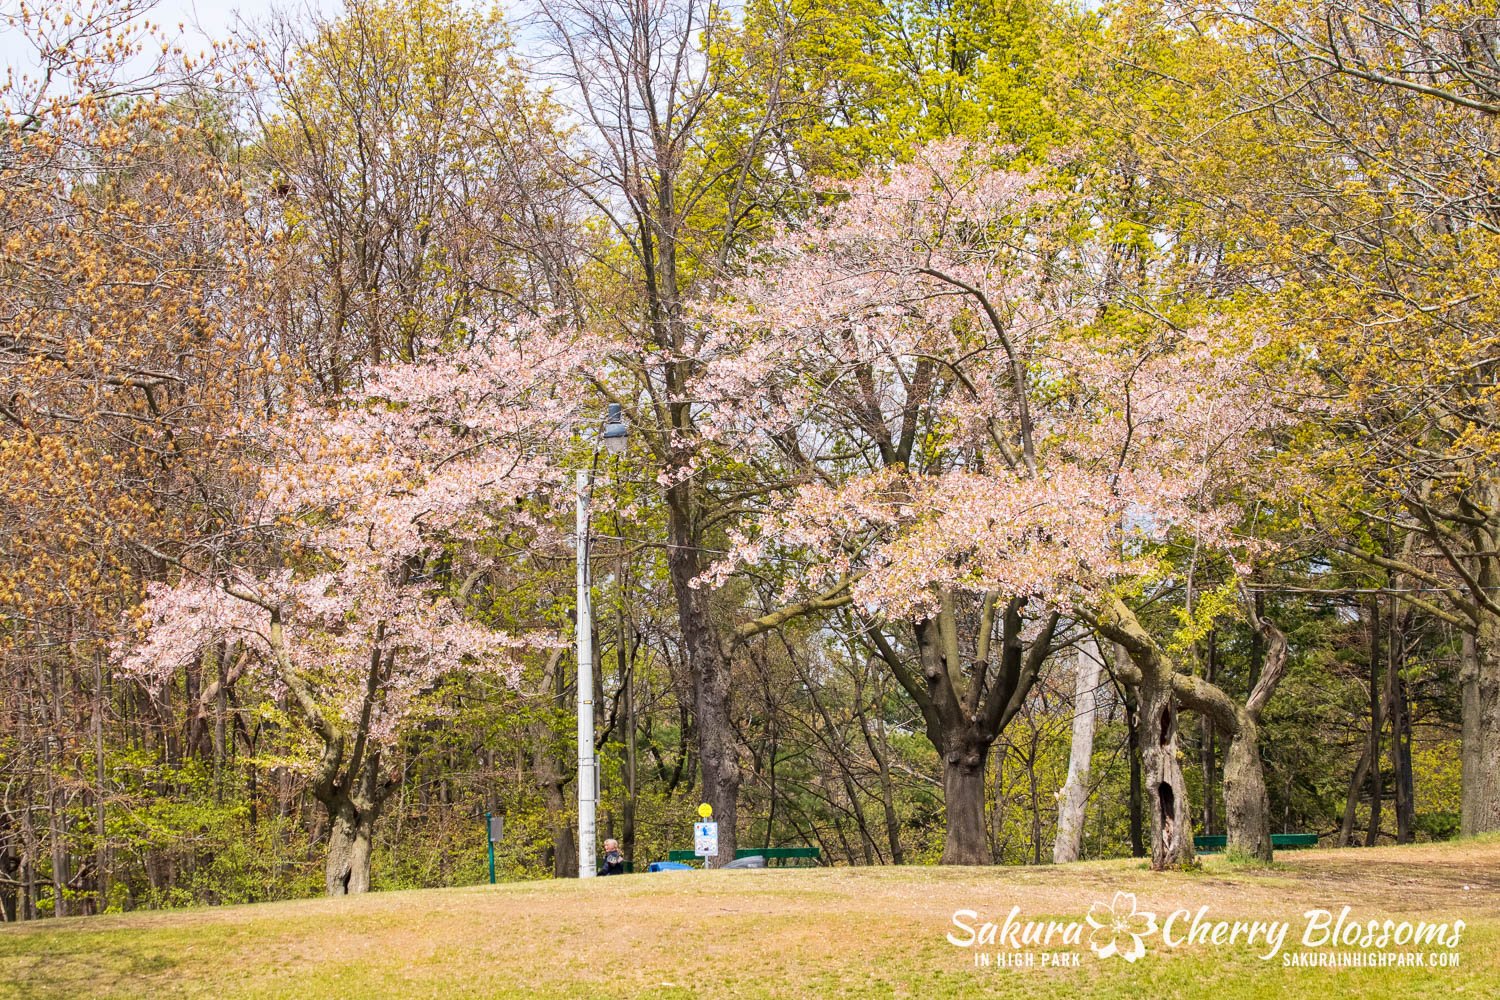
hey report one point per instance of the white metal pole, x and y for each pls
(587, 788)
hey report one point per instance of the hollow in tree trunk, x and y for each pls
(1150, 672)
(1161, 765)
(354, 802)
(350, 838)
(1160, 687)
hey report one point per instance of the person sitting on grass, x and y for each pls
(614, 861)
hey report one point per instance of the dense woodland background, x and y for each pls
(302, 338)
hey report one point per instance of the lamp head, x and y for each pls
(616, 434)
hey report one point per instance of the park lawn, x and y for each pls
(823, 932)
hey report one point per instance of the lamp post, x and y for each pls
(614, 439)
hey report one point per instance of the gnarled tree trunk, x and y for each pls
(1247, 807)
(1160, 688)
(354, 804)
(1166, 791)
(348, 780)
(1151, 673)
(350, 839)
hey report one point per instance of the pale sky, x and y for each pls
(200, 20)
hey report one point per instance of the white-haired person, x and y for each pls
(614, 860)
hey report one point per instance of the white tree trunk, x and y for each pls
(1088, 665)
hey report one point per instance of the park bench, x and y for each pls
(1279, 841)
(773, 855)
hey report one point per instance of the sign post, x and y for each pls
(494, 827)
(706, 835)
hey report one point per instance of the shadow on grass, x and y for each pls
(38, 967)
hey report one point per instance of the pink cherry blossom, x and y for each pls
(1050, 456)
(357, 498)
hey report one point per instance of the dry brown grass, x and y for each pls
(825, 932)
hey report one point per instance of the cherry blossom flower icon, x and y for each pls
(1120, 929)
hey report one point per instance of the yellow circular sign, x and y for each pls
(705, 810)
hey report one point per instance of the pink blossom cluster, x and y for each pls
(428, 449)
(360, 499)
(886, 276)
(1049, 456)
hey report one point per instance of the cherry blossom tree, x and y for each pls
(889, 344)
(980, 463)
(342, 589)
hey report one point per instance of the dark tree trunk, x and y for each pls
(1207, 758)
(963, 800)
(888, 805)
(564, 845)
(101, 788)
(1351, 802)
(709, 665)
(1133, 748)
(1372, 751)
(627, 671)
(1480, 679)
(222, 745)
(553, 777)
(29, 890)
(1400, 715)
(553, 784)
(964, 715)
(10, 871)
(717, 754)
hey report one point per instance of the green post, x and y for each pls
(489, 838)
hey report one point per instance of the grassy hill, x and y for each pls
(825, 932)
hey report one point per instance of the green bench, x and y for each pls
(1279, 841)
(779, 855)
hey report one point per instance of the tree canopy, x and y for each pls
(1046, 422)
